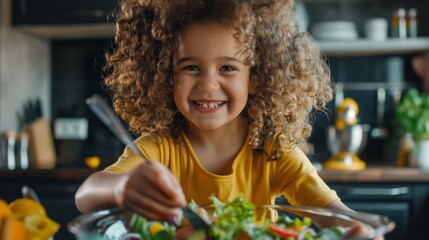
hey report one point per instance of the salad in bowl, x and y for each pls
(237, 219)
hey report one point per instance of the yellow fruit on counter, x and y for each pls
(92, 162)
(32, 214)
(39, 227)
(25, 206)
(11, 229)
(4, 209)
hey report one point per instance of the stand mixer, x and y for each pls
(346, 138)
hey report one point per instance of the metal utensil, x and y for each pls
(379, 131)
(28, 192)
(194, 219)
(106, 115)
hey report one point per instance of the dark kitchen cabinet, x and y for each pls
(392, 200)
(405, 204)
(50, 12)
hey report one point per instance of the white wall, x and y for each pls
(24, 70)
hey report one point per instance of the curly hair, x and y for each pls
(287, 70)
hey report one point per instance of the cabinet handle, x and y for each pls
(398, 191)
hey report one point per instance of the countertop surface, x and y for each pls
(371, 174)
(65, 174)
(377, 174)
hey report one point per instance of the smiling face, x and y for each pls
(211, 82)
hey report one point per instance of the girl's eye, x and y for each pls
(191, 68)
(227, 68)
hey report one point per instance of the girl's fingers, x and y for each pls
(360, 230)
(181, 196)
(150, 190)
(146, 212)
(165, 182)
(149, 204)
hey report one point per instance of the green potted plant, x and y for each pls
(413, 119)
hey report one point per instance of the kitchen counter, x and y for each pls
(377, 174)
(371, 174)
(60, 175)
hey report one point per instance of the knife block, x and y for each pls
(42, 152)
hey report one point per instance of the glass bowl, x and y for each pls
(115, 224)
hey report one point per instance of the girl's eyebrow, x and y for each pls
(184, 59)
(232, 59)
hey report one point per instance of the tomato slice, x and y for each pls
(283, 232)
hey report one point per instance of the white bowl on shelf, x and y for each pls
(334, 30)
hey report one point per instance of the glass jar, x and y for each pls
(8, 146)
(412, 23)
(405, 151)
(22, 151)
(399, 23)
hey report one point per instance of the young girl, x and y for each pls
(220, 93)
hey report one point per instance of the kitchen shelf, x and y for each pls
(83, 31)
(362, 47)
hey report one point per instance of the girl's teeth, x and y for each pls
(209, 105)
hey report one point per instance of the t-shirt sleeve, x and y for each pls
(128, 160)
(125, 162)
(298, 180)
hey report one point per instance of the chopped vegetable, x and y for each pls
(283, 231)
(234, 220)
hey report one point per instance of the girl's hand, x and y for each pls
(360, 230)
(150, 190)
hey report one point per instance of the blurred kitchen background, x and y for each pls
(51, 60)
(54, 52)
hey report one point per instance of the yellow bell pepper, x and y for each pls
(34, 218)
(25, 206)
(10, 229)
(39, 227)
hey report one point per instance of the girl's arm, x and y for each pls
(149, 189)
(338, 205)
(96, 192)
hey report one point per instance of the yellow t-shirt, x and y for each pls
(254, 177)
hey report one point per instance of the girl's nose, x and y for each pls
(208, 82)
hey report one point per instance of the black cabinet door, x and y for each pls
(37, 12)
(62, 210)
(391, 200)
(397, 212)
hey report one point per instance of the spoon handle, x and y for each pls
(106, 115)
